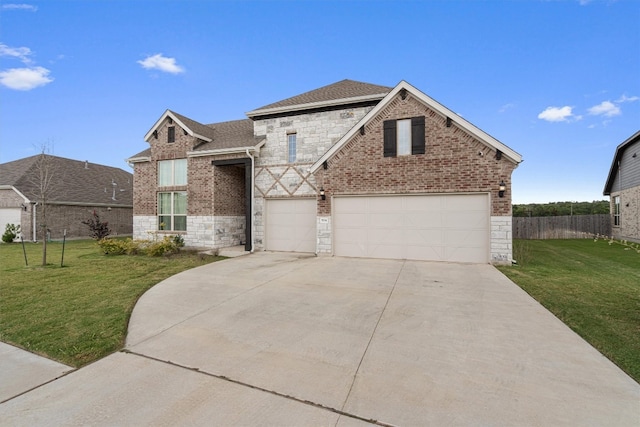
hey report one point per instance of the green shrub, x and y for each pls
(120, 247)
(166, 246)
(11, 231)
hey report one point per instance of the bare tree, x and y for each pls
(43, 179)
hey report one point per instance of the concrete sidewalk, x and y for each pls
(21, 371)
(284, 339)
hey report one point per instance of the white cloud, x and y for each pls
(162, 63)
(22, 6)
(21, 53)
(625, 98)
(506, 107)
(25, 78)
(605, 108)
(558, 114)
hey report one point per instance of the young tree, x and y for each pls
(44, 174)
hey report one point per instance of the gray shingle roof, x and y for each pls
(73, 181)
(613, 171)
(341, 90)
(232, 134)
(196, 127)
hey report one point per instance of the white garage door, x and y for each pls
(9, 216)
(433, 228)
(290, 225)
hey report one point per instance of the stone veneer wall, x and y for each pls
(204, 231)
(144, 227)
(274, 176)
(501, 239)
(323, 228)
(629, 228)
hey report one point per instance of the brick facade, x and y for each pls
(454, 162)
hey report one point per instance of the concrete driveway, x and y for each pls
(283, 339)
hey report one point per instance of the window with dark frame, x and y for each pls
(616, 211)
(171, 134)
(404, 137)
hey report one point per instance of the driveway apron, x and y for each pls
(286, 339)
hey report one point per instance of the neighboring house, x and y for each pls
(623, 187)
(76, 190)
(350, 169)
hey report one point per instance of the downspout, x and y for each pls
(252, 197)
(33, 220)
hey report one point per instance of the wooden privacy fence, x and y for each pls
(561, 227)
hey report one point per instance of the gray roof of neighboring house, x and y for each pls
(342, 92)
(613, 171)
(73, 181)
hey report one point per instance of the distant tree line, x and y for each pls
(562, 208)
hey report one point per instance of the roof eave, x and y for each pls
(431, 103)
(18, 192)
(314, 105)
(139, 159)
(221, 151)
(616, 161)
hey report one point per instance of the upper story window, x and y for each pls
(172, 172)
(616, 211)
(171, 134)
(291, 141)
(404, 137)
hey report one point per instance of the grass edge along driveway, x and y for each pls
(77, 313)
(593, 286)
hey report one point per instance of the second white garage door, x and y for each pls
(434, 227)
(290, 225)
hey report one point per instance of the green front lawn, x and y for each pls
(78, 313)
(592, 286)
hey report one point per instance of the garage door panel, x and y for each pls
(423, 204)
(431, 253)
(352, 220)
(290, 225)
(425, 237)
(385, 219)
(427, 227)
(388, 236)
(423, 219)
(457, 202)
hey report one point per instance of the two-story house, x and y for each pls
(349, 169)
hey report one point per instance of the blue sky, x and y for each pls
(557, 81)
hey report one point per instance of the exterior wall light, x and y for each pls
(501, 189)
(322, 195)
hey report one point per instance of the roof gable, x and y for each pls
(192, 127)
(432, 104)
(340, 93)
(613, 171)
